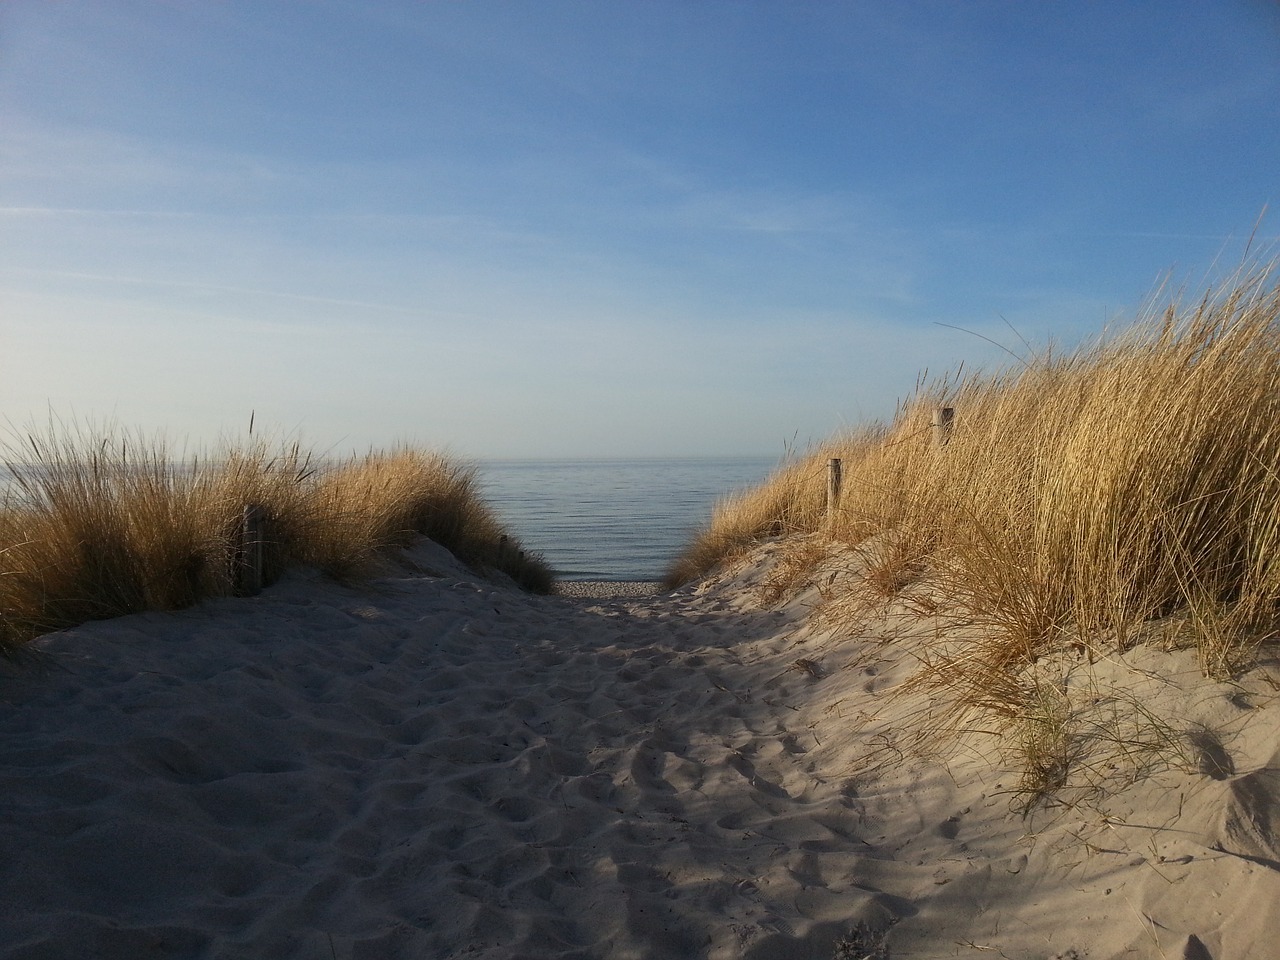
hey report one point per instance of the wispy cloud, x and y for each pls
(198, 287)
(94, 212)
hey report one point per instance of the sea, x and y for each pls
(613, 519)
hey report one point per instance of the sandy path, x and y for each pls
(435, 768)
(439, 767)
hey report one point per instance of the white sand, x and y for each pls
(444, 767)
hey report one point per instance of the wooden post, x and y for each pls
(833, 487)
(943, 419)
(249, 552)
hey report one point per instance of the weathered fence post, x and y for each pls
(833, 487)
(249, 552)
(943, 420)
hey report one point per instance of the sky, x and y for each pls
(579, 228)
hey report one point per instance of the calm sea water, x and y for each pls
(612, 519)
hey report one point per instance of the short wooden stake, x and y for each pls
(833, 487)
(249, 552)
(943, 420)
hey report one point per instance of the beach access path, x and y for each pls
(436, 766)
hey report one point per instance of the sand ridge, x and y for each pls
(441, 766)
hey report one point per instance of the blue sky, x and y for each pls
(550, 228)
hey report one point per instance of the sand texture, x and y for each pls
(602, 589)
(439, 766)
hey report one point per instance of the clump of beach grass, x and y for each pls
(99, 523)
(1081, 495)
(789, 503)
(382, 500)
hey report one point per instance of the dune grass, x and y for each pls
(1085, 500)
(102, 523)
(1080, 496)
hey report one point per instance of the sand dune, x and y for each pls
(440, 766)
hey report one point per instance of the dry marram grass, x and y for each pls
(1082, 494)
(99, 524)
(1081, 497)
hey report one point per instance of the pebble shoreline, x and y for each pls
(600, 589)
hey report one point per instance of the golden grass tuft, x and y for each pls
(1081, 497)
(792, 501)
(98, 524)
(383, 500)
